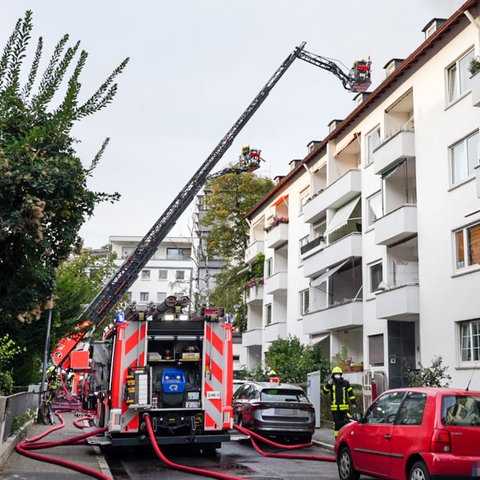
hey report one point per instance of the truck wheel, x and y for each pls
(346, 471)
(419, 471)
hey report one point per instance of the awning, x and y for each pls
(320, 338)
(345, 147)
(342, 216)
(279, 200)
(392, 170)
(324, 276)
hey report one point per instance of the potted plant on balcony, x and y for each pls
(276, 221)
(474, 69)
(342, 360)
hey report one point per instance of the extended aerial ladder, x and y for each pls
(356, 80)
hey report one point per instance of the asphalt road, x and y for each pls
(234, 459)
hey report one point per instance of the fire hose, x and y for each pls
(25, 446)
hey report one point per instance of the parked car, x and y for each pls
(414, 434)
(275, 410)
(237, 384)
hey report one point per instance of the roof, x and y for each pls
(368, 103)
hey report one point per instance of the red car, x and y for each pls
(414, 434)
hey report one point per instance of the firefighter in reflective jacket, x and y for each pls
(342, 397)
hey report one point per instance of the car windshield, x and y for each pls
(461, 410)
(283, 395)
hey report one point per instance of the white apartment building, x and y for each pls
(372, 241)
(168, 272)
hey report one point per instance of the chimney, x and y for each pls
(392, 65)
(432, 26)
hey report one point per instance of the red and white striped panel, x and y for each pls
(218, 375)
(129, 351)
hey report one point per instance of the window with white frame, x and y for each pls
(161, 296)
(304, 196)
(458, 77)
(145, 274)
(162, 274)
(374, 208)
(470, 341)
(180, 274)
(304, 302)
(464, 158)
(373, 141)
(467, 246)
(268, 314)
(376, 276)
(144, 297)
(268, 267)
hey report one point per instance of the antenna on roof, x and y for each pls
(471, 376)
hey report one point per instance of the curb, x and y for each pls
(7, 447)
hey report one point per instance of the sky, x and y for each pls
(194, 67)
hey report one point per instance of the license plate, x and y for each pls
(291, 412)
(475, 468)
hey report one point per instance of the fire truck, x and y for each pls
(177, 369)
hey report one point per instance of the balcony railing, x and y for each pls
(274, 331)
(475, 86)
(255, 295)
(252, 338)
(253, 250)
(396, 226)
(277, 235)
(341, 316)
(393, 149)
(399, 303)
(338, 193)
(277, 283)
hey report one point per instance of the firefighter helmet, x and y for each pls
(337, 370)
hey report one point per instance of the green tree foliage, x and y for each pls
(44, 198)
(292, 361)
(434, 376)
(228, 199)
(8, 351)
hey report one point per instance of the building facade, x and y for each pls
(372, 241)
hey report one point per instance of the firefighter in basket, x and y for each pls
(342, 399)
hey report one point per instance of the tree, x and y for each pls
(292, 360)
(434, 376)
(8, 351)
(228, 199)
(44, 198)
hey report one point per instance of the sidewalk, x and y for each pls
(323, 437)
(19, 466)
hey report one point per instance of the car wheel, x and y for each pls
(419, 471)
(346, 471)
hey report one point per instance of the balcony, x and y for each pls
(396, 226)
(312, 247)
(397, 147)
(252, 338)
(399, 303)
(336, 194)
(346, 247)
(475, 86)
(337, 317)
(253, 250)
(277, 235)
(276, 284)
(255, 295)
(274, 331)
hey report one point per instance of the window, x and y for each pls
(375, 350)
(470, 341)
(464, 158)
(161, 296)
(458, 77)
(304, 196)
(145, 274)
(376, 276)
(384, 410)
(162, 274)
(143, 297)
(180, 274)
(461, 410)
(304, 302)
(374, 208)
(178, 253)
(467, 246)
(268, 267)
(268, 314)
(373, 141)
(412, 409)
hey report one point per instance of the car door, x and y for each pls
(412, 430)
(370, 443)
